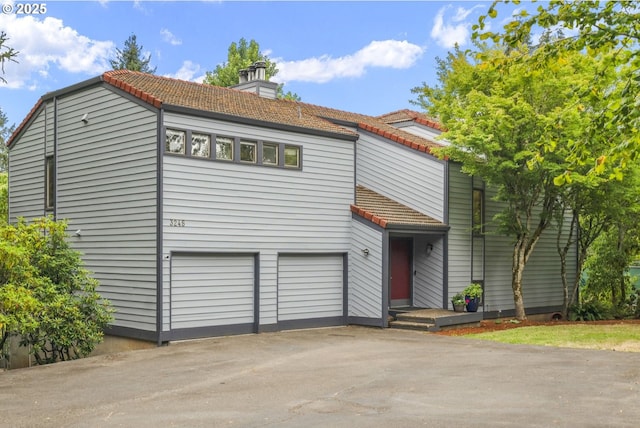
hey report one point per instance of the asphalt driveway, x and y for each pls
(336, 377)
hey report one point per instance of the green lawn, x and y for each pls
(618, 337)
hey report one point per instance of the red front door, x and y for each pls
(400, 250)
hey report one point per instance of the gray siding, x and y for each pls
(107, 189)
(478, 258)
(211, 290)
(428, 280)
(310, 287)
(402, 174)
(460, 192)
(365, 272)
(247, 208)
(26, 172)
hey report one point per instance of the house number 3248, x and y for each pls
(174, 222)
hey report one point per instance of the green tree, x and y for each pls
(4, 198)
(613, 250)
(592, 209)
(607, 30)
(46, 295)
(130, 58)
(5, 133)
(240, 56)
(511, 128)
(6, 53)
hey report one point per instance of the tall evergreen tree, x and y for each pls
(131, 57)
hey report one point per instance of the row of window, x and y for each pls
(232, 149)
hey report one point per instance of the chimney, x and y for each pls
(261, 70)
(254, 79)
(244, 75)
(252, 73)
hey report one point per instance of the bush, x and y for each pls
(65, 316)
(589, 311)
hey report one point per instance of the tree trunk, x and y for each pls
(517, 270)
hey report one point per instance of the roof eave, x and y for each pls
(417, 227)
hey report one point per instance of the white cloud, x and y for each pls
(168, 37)
(455, 30)
(43, 44)
(385, 53)
(188, 70)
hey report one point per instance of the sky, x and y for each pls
(358, 56)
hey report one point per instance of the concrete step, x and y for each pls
(409, 317)
(409, 325)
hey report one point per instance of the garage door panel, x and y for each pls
(310, 286)
(212, 290)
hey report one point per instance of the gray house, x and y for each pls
(206, 211)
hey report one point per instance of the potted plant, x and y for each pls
(458, 302)
(472, 296)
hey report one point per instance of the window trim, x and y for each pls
(233, 150)
(277, 148)
(247, 142)
(204, 134)
(49, 183)
(184, 145)
(236, 144)
(298, 157)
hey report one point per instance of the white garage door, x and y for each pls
(310, 287)
(211, 290)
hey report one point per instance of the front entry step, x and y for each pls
(409, 325)
(433, 319)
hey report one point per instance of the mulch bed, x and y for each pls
(504, 324)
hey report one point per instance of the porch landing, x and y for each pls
(431, 319)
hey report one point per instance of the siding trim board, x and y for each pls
(385, 279)
(132, 333)
(209, 331)
(370, 322)
(159, 231)
(366, 222)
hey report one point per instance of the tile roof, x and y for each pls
(161, 91)
(158, 91)
(406, 114)
(387, 213)
(376, 126)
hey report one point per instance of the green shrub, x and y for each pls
(589, 311)
(69, 316)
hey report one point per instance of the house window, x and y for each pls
(248, 151)
(224, 148)
(200, 145)
(478, 212)
(175, 141)
(269, 154)
(292, 157)
(50, 183)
